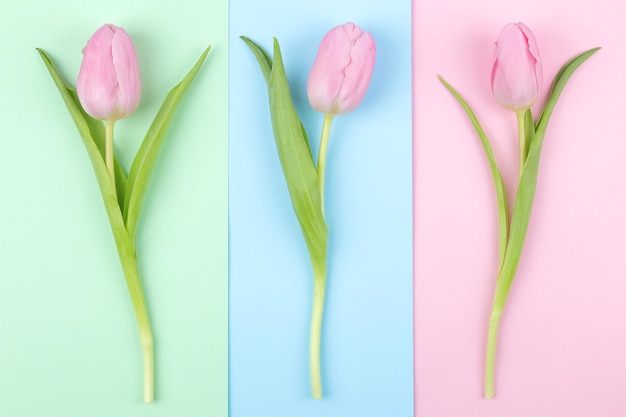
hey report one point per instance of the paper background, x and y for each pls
(367, 336)
(68, 340)
(69, 344)
(562, 337)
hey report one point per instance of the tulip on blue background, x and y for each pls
(367, 336)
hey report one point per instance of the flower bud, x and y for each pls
(342, 70)
(109, 84)
(516, 77)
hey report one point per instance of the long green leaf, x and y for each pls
(528, 181)
(495, 172)
(559, 82)
(86, 130)
(145, 159)
(265, 62)
(295, 158)
(90, 129)
(298, 166)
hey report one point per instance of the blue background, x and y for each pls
(367, 338)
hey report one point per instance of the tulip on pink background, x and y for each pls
(516, 77)
(109, 84)
(342, 70)
(562, 340)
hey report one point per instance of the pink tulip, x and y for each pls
(516, 77)
(109, 85)
(342, 70)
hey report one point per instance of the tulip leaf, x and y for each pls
(145, 159)
(495, 172)
(295, 157)
(560, 80)
(265, 61)
(90, 129)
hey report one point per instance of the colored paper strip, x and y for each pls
(561, 345)
(68, 339)
(367, 347)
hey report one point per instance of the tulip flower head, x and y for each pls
(516, 77)
(342, 70)
(109, 84)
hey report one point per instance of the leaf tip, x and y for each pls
(277, 54)
(205, 53)
(443, 81)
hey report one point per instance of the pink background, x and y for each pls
(562, 344)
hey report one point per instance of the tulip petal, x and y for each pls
(358, 73)
(327, 74)
(533, 48)
(96, 84)
(516, 77)
(109, 85)
(127, 71)
(146, 156)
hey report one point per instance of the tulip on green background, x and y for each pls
(109, 89)
(516, 81)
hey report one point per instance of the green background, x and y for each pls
(69, 344)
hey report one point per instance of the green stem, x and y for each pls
(319, 291)
(523, 143)
(108, 149)
(128, 258)
(490, 363)
(321, 157)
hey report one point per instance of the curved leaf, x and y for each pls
(495, 172)
(90, 129)
(295, 157)
(149, 150)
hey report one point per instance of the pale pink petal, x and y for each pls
(127, 72)
(96, 85)
(327, 73)
(108, 84)
(358, 73)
